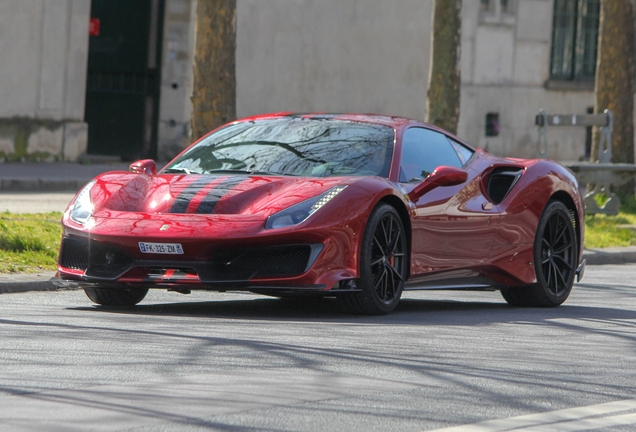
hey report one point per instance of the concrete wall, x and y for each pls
(333, 55)
(44, 46)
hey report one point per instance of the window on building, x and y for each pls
(497, 12)
(574, 39)
(492, 124)
(497, 6)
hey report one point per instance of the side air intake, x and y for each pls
(501, 182)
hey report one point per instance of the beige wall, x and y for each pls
(44, 46)
(333, 55)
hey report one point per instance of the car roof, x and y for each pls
(396, 122)
(391, 121)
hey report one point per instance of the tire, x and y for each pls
(117, 297)
(555, 261)
(383, 264)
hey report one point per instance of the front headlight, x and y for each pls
(301, 211)
(83, 206)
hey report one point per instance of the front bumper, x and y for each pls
(84, 261)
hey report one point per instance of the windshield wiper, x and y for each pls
(222, 171)
(179, 170)
(244, 171)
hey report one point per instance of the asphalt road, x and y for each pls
(214, 361)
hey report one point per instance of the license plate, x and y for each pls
(161, 248)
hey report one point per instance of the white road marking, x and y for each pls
(572, 419)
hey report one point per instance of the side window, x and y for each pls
(423, 150)
(463, 152)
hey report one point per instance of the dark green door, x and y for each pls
(122, 89)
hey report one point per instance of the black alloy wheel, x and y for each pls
(383, 264)
(557, 254)
(556, 258)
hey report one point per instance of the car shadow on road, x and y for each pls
(408, 312)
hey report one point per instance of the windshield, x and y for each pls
(314, 147)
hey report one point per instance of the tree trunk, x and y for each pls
(442, 103)
(214, 71)
(615, 77)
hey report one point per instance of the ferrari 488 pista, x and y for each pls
(357, 207)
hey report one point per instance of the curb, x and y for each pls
(20, 283)
(616, 255)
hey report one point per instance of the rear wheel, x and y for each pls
(555, 261)
(383, 264)
(118, 297)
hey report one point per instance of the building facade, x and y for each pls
(114, 77)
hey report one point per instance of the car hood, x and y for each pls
(120, 193)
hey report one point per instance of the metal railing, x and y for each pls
(595, 177)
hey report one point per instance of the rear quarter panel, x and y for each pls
(521, 211)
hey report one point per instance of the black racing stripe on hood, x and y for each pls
(214, 196)
(181, 203)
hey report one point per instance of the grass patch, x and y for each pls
(29, 243)
(608, 231)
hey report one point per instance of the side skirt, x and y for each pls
(478, 283)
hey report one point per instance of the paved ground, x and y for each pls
(34, 202)
(231, 362)
(51, 177)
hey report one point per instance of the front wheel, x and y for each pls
(383, 264)
(116, 297)
(555, 261)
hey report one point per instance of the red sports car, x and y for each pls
(358, 207)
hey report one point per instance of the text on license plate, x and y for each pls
(161, 248)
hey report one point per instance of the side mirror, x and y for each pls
(442, 176)
(145, 166)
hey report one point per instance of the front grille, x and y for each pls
(262, 262)
(74, 254)
(95, 258)
(103, 260)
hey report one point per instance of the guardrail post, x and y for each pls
(605, 146)
(542, 145)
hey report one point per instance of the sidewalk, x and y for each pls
(51, 177)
